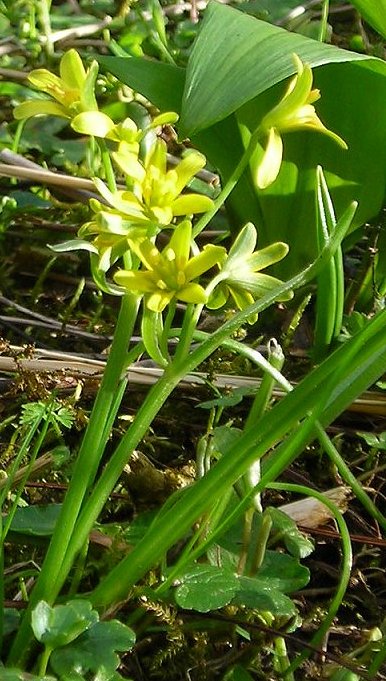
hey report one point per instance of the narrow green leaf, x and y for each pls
(374, 12)
(367, 354)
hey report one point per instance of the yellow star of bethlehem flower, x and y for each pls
(155, 198)
(240, 277)
(295, 111)
(170, 273)
(126, 134)
(72, 92)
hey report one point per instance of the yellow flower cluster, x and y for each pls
(126, 222)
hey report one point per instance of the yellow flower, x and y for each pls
(155, 198)
(170, 273)
(295, 111)
(126, 134)
(240, 277)
(72, 92)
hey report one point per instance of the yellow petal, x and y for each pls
(192, 293)
(269, 167)
(72, 70)
(46, 81)
(39, 107)
(157, 301)
(129, 163)
(189, 204)
(135, 281)
(93, 123)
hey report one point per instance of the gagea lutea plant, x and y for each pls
(143, 248)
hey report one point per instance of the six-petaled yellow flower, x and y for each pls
(72, 92)
(240, 277)
(170, 273)
(295, 111)
(155, 197)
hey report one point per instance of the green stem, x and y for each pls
(44, 659)
(189, 325)
(261, 543)
(229, 186)
(349, 478)
(171, 310)
(344, 575)
(86, 465)
(259, 406)
(264, 394)
(246, 540)
(281, 661)
(44, 7)
(378, 660)
(106, 160)
(323, 22)
(113, 469)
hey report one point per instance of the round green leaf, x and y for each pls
(61, 624)
(256, 593)
(205, 588)
(283, 572)
(94, 650)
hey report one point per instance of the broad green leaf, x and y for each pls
(374, 12)
(258, 594)
(288, 205)
(228, 89)
(269, 10)
(161, 83)
(94, 650)
(206, 587)
(227, 400)
(29, 202)
(285, 529)
(224, 437)
(373, 440)
(38, 521)
(344, 675)
(239, 65)
(283, 572)
(58, 626)
(138, 527)
(246, 81)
